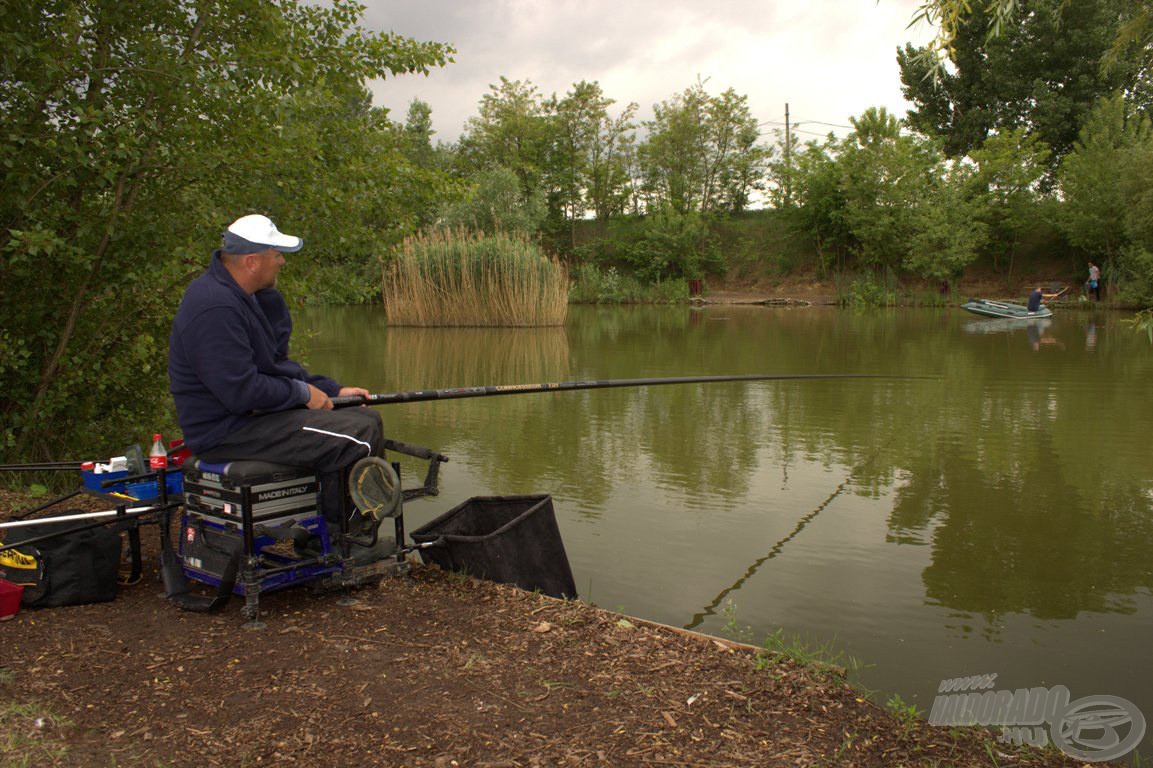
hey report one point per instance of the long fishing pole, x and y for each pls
(105, 518)
(41, 466)
(419, 395)
(130, 511)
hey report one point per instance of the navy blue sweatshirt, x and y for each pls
(228, 357)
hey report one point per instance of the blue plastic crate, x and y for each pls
(93, 481)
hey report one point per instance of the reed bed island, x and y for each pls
(462, 278)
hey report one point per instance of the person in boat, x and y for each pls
(238, 393)
(1036, 297)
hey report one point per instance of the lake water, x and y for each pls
(993, 514)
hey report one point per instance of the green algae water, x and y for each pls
(992, 514)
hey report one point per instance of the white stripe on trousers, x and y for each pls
(368, 447)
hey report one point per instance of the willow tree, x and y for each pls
(1134, 36)
(130, 131)
(1042, 72)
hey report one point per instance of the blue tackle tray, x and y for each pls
(140, 490)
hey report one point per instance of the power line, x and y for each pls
(818, 122)
(802, 122)
(809, 133)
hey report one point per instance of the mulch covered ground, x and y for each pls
(428, 669)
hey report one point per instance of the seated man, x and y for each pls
(238, 394)
(1036, 297)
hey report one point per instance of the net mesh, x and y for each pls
(375, 488)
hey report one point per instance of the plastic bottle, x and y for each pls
(158, 456)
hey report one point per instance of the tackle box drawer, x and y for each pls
(260, 491)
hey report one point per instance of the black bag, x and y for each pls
(71, 569)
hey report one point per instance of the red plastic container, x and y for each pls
(9, 599)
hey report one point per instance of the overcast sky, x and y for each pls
(827, 59)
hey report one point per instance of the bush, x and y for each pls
(675, 245)
(1134, 279)
(594, 286)
(867, 290)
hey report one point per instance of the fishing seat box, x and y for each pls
(251, 491)
(250, 506)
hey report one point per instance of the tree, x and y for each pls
(949, 16)
(510, 131)
(129, 131)
(672, 158)
(1007, 186)
(418, 133)
(821, 203)
(675, 245)
(1134, 38)
(702, 153)
(948, 232)
(426, 182)
(1042, 72)
(610, 155)
(587, 162)
(780, 171)
(884, 177)
(1130, 53)
(1103, 180)
(495, 203)
(737, 167)
(890, 200)
(573, 122)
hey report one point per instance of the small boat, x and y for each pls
(1004, 309)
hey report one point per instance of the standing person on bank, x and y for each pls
(1094, 283)
(238, 393)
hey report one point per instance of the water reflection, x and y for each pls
(1034, 330)
(1020, 538)
(719, 601)
(999, 511)
(433, 358)
(1007, 325)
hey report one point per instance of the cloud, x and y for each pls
(828, 59)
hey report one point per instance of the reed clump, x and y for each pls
(461, 278)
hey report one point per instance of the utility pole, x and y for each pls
(788, 160)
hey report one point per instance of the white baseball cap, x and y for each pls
(255, 233)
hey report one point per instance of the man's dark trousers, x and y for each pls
(328, 442)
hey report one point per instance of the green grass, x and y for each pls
(30, 735)
(820, 657)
